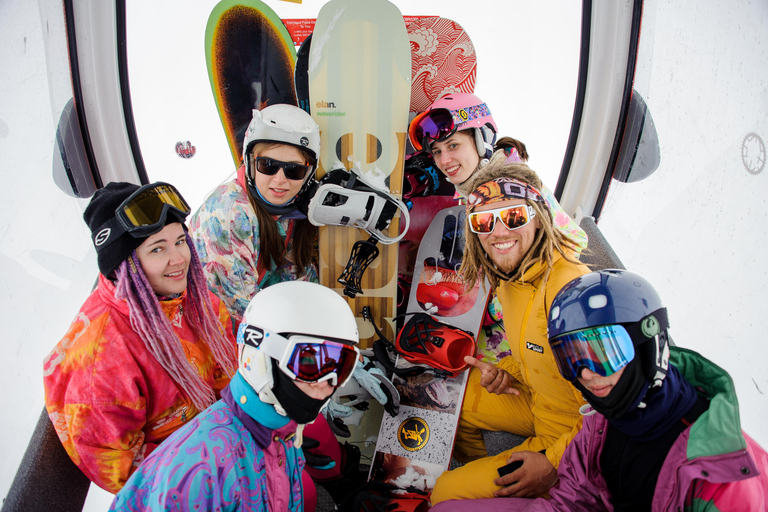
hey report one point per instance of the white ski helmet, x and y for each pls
(285, 124)
(283, 310)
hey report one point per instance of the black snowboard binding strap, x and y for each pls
(362, 255)
(382, 348)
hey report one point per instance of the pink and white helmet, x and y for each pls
(470, 112)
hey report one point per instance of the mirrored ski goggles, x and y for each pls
(512, 217)
(603, 350)
(292, 170)
(430, 126)
(145, 211)
(304, 358)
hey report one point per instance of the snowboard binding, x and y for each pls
(345, 198)
(423, 340)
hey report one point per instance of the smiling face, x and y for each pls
(599, 386)
(165, 257)
(278, 189)
(457, 156)
(505, 247)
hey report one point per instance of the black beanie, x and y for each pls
(101, 209)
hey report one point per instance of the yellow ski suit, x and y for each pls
(546, 411)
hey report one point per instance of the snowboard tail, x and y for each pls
(251, 61)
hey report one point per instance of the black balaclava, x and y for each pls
(298, 406)
(640, 373)
(626, 395)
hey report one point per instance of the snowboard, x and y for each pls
(301, 77)
(359, 94)
(251, 60)
(443, 61)
(414, 447)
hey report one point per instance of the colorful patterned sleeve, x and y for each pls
(226, 237)
(94, 404)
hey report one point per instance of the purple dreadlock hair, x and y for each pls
(149, 321)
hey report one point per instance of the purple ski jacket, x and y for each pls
(225, 459)
(713, 465)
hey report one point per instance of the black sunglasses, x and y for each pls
(270, 166)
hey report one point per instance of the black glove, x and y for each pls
(316, 461)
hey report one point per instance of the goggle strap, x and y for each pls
(470, 113)
(116, 230)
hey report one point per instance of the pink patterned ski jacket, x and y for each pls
(110, 400)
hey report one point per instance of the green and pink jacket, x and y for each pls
(713, 466)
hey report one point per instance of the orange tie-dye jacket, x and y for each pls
(110, 400)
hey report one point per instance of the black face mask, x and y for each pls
(300, 408)
(626, 395)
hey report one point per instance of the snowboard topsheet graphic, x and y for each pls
(443, 61)
(359, 91)
(415, 446)
(250, 60)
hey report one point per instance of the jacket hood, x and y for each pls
(718, 429)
